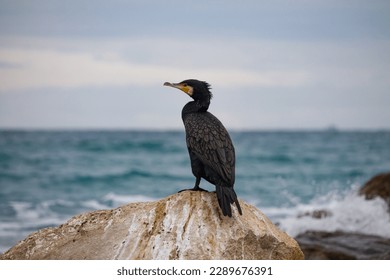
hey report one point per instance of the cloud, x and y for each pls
(51, 68)
(40, 67)
(31, 63)
(280, 83)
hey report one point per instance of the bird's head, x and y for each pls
(198, 90)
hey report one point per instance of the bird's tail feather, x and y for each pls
(227, 196)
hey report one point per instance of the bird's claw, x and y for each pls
(194, 189)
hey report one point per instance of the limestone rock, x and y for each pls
(188, 225)
(377, 186)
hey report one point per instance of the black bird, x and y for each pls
(209, 145)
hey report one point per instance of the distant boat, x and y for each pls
(332, 129)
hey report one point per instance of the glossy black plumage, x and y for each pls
(209, 145)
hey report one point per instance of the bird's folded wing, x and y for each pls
(211, 143)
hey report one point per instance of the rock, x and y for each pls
(319, 245)
(187, 225)
(316, 214)
(378, 186)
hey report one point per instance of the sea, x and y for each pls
(46, 177)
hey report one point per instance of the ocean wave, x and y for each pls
(129, 144)
(28, 217)
(346, 211)
(123, 176)
(117, 199)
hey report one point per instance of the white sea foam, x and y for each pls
(28, 213)
(94, 205)
(348, 212)
(118, 199)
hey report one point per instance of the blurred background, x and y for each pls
(86, 124)
(272, 64)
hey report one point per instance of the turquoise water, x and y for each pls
(47, 177)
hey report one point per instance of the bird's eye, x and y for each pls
(184, 85)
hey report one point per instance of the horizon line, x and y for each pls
(167, 129)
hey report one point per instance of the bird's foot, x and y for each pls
(195, 189)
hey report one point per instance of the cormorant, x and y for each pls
(209, 145)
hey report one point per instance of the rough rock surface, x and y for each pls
(377, 186)
(188, 225)
(316, 214)
(319, 245)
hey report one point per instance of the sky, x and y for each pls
(301, 64)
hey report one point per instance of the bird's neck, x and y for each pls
(195, 107)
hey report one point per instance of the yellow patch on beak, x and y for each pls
(187, 89)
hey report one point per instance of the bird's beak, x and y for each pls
(184, 87)
(168, 84)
